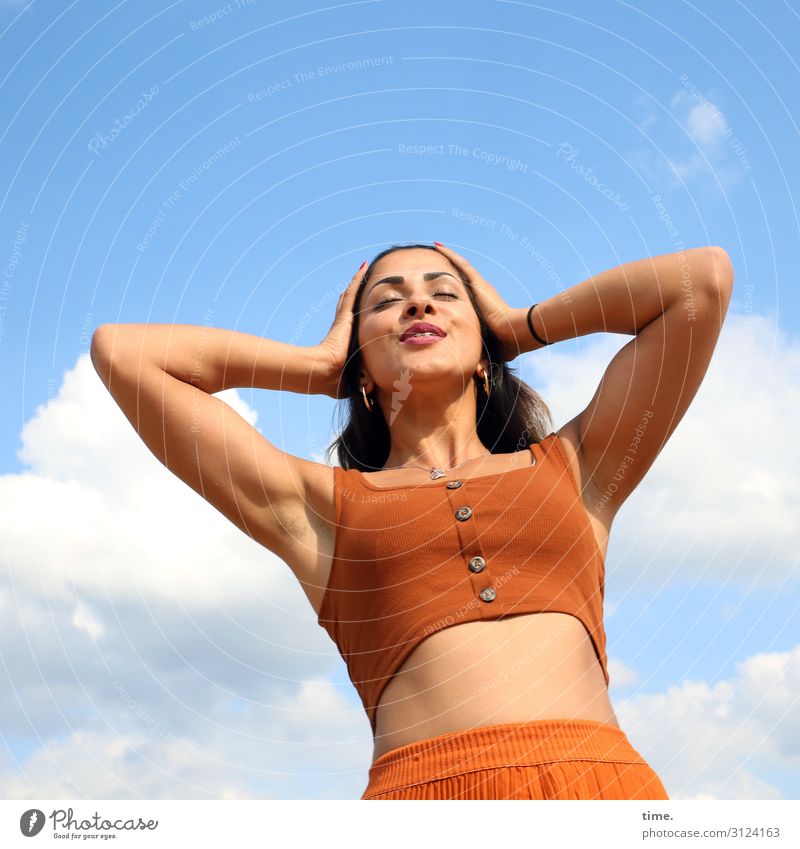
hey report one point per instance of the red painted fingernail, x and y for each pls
(362, 265)
(439, 244)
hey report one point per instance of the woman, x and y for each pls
(456, 556)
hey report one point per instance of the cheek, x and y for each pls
(467, 321)
(372, 333)
(375, 328)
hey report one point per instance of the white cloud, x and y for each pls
(96, 511)
(84, 620)
(705, 123)
(717, 741)
(703, 119)
(289, 751)
(621, 674)
(135, 616)
(106, 765)
(704, 149)
(732, 457)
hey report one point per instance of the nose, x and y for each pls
(415, 301)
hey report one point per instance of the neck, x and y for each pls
(427, 436)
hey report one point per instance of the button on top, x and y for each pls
(453, 484)
(488, 594)
(477, 564)
(463, 513)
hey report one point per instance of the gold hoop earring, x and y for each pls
(369, 403)
(486, 384)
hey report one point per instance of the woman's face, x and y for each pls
(387, 308)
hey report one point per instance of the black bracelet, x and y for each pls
(533, 332)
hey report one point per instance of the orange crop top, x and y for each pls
(412, 560)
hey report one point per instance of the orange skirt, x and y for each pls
(542, 759)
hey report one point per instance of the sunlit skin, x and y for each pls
(436, 386)
(437, 390)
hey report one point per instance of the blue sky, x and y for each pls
(234, 164)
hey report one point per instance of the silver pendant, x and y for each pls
(437, 473)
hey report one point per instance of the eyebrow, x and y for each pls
(399, 279)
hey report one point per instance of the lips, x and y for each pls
(421, 327)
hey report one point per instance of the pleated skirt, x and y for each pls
(542, 759)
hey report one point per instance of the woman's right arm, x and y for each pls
(163, 375)
(214, 359)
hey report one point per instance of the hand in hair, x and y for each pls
(333, 348)
(496, 312)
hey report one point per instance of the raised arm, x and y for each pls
(162, 376)
(675, 305)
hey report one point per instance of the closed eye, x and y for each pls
(392, 300)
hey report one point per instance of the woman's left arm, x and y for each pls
(675, 305)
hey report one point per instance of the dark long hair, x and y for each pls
(514, 416)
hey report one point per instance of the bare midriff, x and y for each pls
(522, 668)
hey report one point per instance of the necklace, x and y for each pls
(435, 473)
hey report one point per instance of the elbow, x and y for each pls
(716, 289)
(720, 269)
(100, 350)
(98, 340)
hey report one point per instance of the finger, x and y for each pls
(356, 283)
(449, 252)
(352, 286)
(345, 307)
(350, 290)
(456, 259)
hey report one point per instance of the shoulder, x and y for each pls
(568, 438)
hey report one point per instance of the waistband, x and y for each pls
(493, 746)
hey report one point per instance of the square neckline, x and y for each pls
(443, 482)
